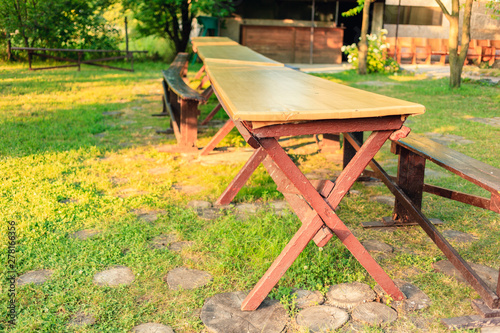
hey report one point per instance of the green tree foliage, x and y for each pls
(56, 23)
(172, 19)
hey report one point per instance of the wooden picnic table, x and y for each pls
(268, 102)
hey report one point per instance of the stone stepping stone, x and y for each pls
(185, 278)
(81, 319)
(415, 300)
(348, 295)
(322, 318)
(100, 135)
(488, 274)
(491, 329)
(152, 328)
(354, 193)
(188, 189)
(113, 113)
(280, 207)
(458, 236)
(84, 234)
(35, 277)
(373, 245)
(222, 314)
(199, 204)
(112, 277)
(210, 213)
(495, 121)
(178, 246)
(128, 122)
(248, 207)
(160, 171)
(447, 139)
(383, 199)
(374, 314)
(148, 215)
(308, 298)
(163, 241)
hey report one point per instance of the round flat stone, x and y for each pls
(487, 274)
(210, 213)
(148, 215)
(81, 319)
(383, 199)
(178, 246)
(84, 234)
(491, 329)
(162, 241)
(152, 328)
(35, 277)
(222, 314)
(199, 204)
(185, 278)
(374, 314)
(373, 245)
(115, 276)
(415, 300)
(495, 121)
(118, 181)
(458, 236)
(322, 318)
(348, 295)
(248, 207)
(307, 298)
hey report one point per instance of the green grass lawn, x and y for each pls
(66, 167)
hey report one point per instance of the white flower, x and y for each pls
(353, 45)
(384, 31)
(383, 46)
(342, 48)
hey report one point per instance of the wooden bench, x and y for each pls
(413, 152)
(180, 102)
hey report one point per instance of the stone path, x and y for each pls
(85, 234)
(495, 121)
(81, 319)
(35, 277)
(115, 276)
(152, 328)
(221, 314)
(185, 278)
(488, 274)
(447, 139)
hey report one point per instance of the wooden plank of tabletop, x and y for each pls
(269, 93)
(212, 40)
(235, 53)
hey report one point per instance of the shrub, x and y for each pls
(377, 60)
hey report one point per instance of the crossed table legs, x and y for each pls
(314, 206)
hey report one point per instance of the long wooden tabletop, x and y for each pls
(234, 53)
(280, 94)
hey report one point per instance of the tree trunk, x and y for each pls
(363, 43)
(9, 50)
(458, 54)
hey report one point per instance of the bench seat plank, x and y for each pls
(173, 78)
(475, 171)
(269, 93)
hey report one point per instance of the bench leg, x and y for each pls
(188, 125)
(411, 169)
(221, 134)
